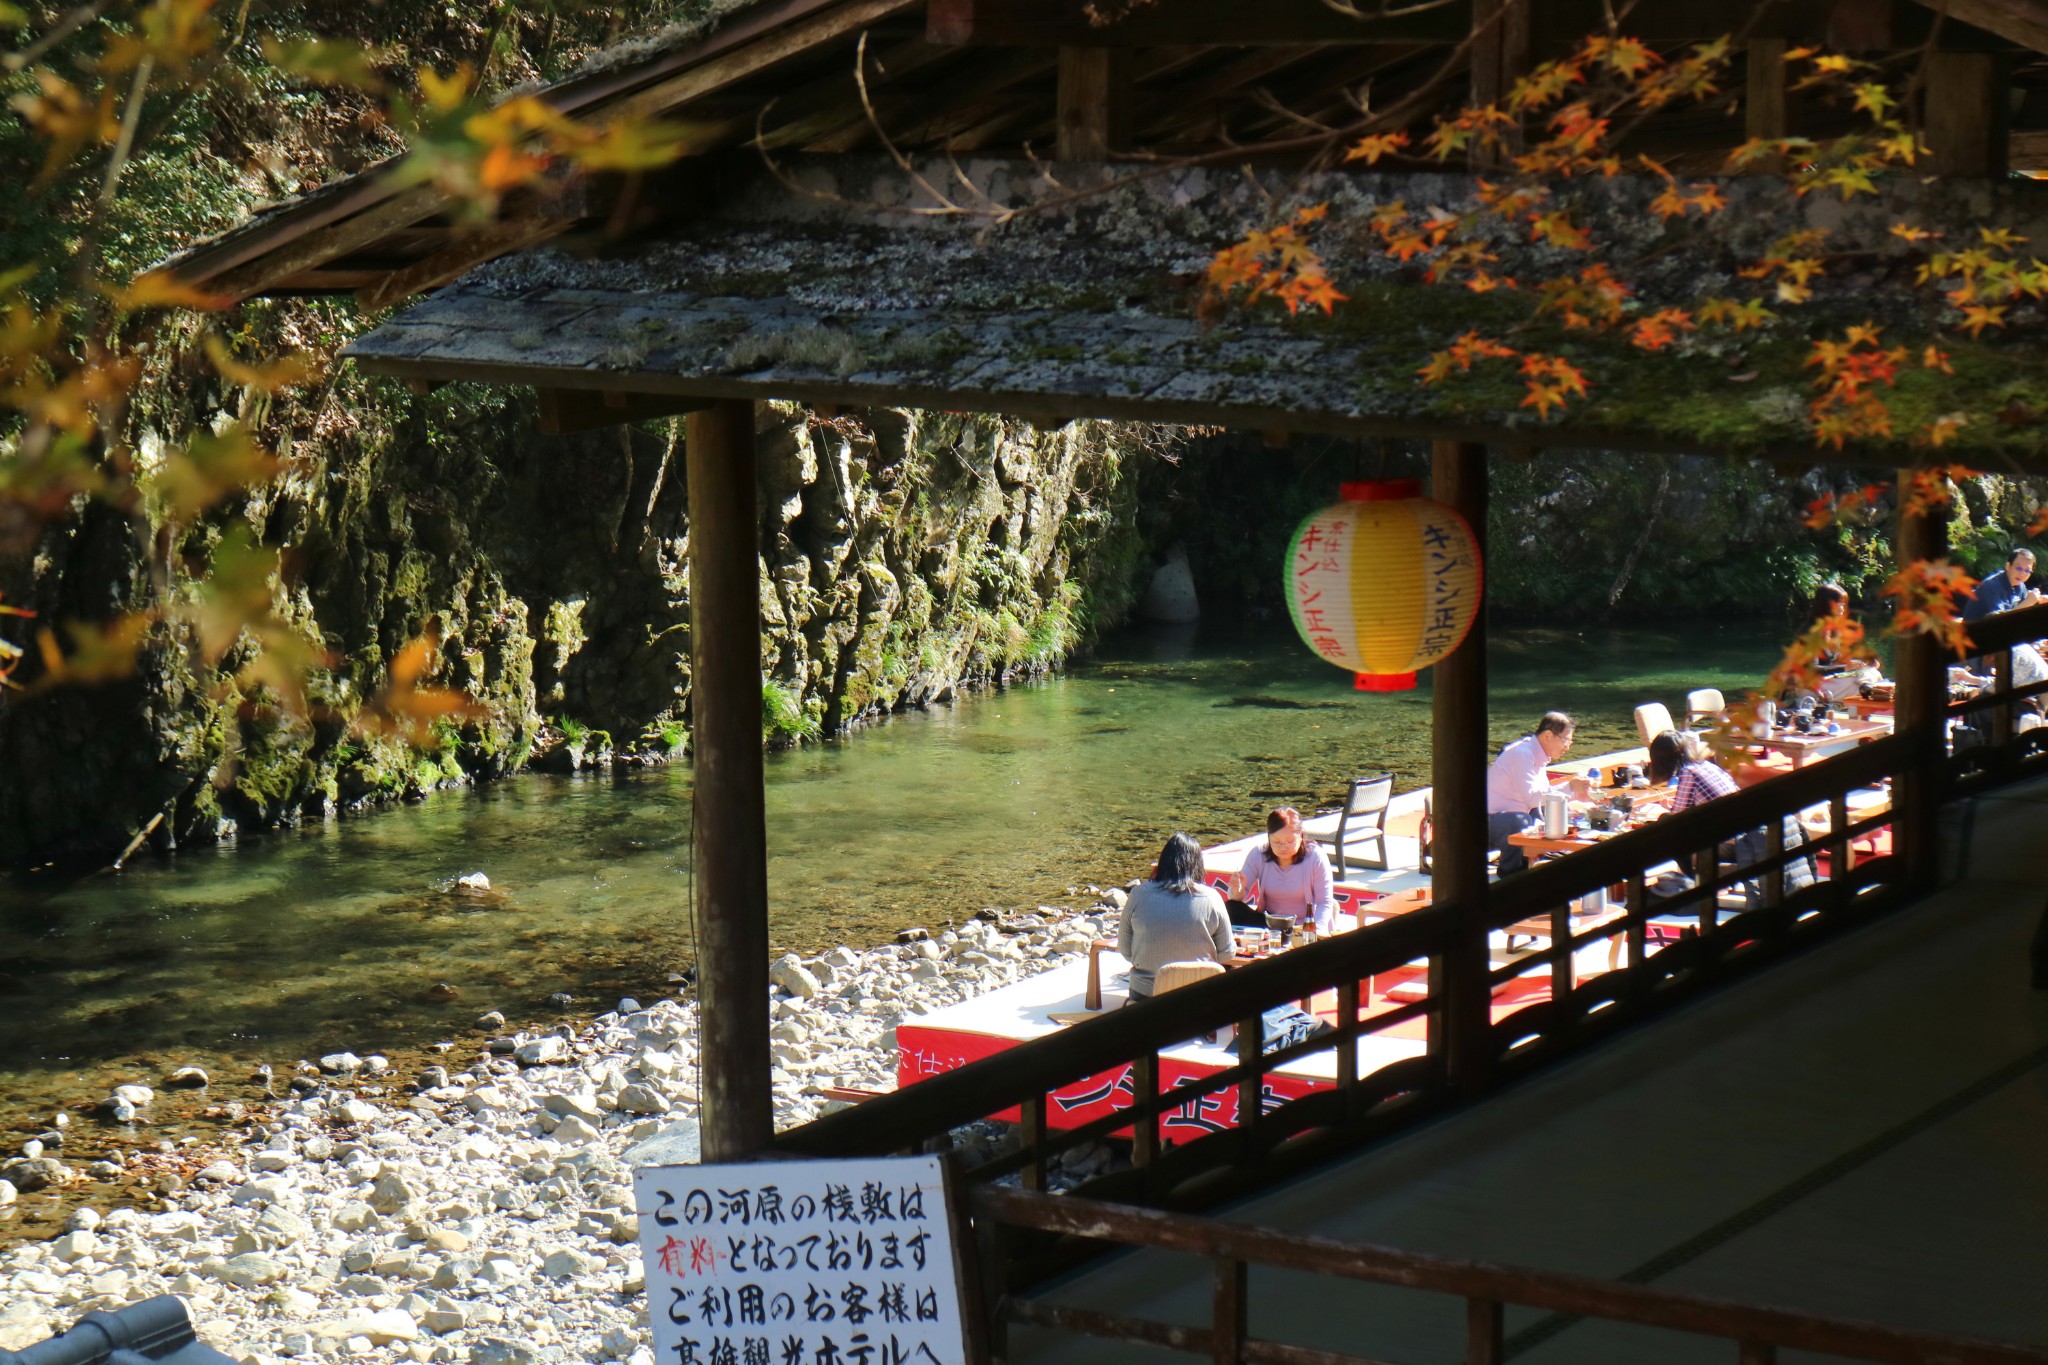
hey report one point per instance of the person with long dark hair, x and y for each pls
(1173, 917)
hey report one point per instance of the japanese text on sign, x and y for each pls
(800, 1263)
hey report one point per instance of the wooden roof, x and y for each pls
(981, 77)
(1093, 308)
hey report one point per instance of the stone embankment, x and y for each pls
(487, 1215)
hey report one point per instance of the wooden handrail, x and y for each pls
(1676, 837)
(1483, 1282)
(993, 1084)
(2009, 628)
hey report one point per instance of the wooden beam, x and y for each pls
(839, 21)
(484, 244)
(2024, 22)
(949, 107)
(1964, 114)
(1226, 23)
(2027, 151)
(563, 411)
(1458, 759)
(828, 106)
(729, 822)
(1094, 103)
(321, 245)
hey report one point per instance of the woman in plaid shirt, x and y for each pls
(1699, 778)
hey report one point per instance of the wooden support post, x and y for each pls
(1094, 102)
(1763, 110)
(729, 823)
(1964, 114)
(1230, 1311)
(1502, 40)
(1920, 716)
(1458, 773)
(1764, 113)
(1485, 1343)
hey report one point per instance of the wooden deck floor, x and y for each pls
(1859, 1133)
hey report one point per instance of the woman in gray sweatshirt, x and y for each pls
(1173, 917)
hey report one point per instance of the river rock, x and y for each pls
(541, 1051)
(580, 1103)
(489, 1020)
(250, 1269)
(75, 1246)
(341, 1064)
(137, 1095)
(7, 1193)
(280, 1227)
(473, 883)
(353, 1110)
(83, 1220)
(572, 1130)
(643, 1099)
(31, 1173)
(499, 1351)
(186, 1078)
(391, 1194)
(789, 972)
(24, 1323)
(567, 1263)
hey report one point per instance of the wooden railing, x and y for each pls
(1755, 1334)
(2000, 749)
(1604, 970)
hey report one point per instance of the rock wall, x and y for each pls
(904, 556)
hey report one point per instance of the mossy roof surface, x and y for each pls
(845, 292)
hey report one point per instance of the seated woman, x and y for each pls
(1290, 876)
(1173, 917)
(1678, 757)
(1830, 608)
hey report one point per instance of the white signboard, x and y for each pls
(801, 1263)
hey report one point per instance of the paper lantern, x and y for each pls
(1384, 582)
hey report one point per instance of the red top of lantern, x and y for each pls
(1380, 490)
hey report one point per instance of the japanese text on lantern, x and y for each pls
(800, 1263)
(1319, 568)
(1447, 579)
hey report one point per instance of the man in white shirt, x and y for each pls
(1517, 783)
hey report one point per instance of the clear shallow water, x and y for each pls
(308, 941)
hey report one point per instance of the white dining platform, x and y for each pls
(1857, 1132)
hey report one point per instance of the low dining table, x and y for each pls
(1804, 748)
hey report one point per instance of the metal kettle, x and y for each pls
(1557, 815)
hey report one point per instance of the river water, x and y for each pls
(347, 935)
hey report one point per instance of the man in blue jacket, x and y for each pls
(2004, 590)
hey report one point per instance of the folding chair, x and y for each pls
(1363, 822)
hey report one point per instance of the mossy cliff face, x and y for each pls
(904, 555)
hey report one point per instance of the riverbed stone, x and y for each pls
(789, 972)
(186, 1078)
(568, 1263)
(572, 1130)
(545, 1051)
(29, 1174)
(249, 1270)
(643, 1099)
(391, 1194)
(341, 1064)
